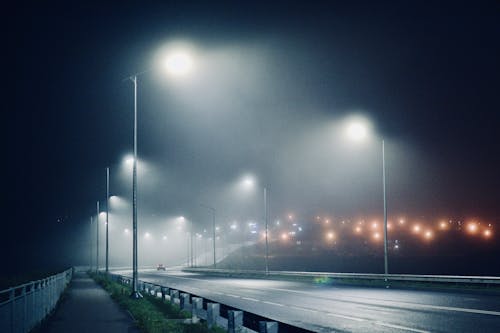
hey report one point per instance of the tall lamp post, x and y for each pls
(249, 182)
(177, 63)
(386, 267)
(97, 240)
(358, 130)
(107, 220)
(135, 293)
(90, 242)
(266, 215)
(212, 209)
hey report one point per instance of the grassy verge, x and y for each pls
(151, 313)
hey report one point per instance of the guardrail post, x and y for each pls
(25, 309)
(164, 291)
(268, 327)
(197, 306)
(234, 321)
(184, 301)
(12, 296)
(173, 295)
(213, 310)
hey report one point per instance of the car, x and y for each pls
(160, 267)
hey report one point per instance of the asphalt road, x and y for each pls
(327, 308)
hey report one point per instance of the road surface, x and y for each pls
(327, 308)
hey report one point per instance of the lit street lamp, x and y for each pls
(212, 209)
(248, 182)
(97, 240)
(177, 63)
(107, 220)
(358, 130)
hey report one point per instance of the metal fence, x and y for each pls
(25, 306)
(483, 281)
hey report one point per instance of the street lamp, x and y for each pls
(97, 240)
(358, 130)
(212, 209)
(248, 182)
(178, 64)
(107, 220)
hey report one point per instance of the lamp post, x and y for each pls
(177, 63)
(250, 182)
(107, 220)
(97, 240)
(267, 229)
(135, 293)
(90, 243)
(358, 130)
(386, 267)
(212, 209)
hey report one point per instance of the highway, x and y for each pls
(328, 308)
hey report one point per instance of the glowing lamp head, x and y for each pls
(357, 131)
(178, 63)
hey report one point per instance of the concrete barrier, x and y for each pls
(213, 312)
(174, 294)
(268, 327)
(184, 301)
(234, 321)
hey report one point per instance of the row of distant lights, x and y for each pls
(473, 228)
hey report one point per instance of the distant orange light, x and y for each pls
(330, 235)
(284, 236)
(487, 233)
(376, 235)
(401, 221)
(428, 234)
(357, 229)
(443, 225)
(472, 228)
(374, 225)
(416, 228)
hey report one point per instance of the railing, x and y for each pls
(215, 314)
(486, 281)
(25, 306)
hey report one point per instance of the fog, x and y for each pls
(249, 110)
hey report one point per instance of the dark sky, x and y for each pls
(426, 74)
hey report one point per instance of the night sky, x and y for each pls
(427, 75)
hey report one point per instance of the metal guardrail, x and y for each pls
(456, 279)
(208, 310)
(25, 306)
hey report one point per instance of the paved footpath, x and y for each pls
(87, 308)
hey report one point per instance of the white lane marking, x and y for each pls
(344, 317)
(272, 303)
(450, 308)
(250, 299)
(399, 327)
(407, 304)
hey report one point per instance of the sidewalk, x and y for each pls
(87, 308)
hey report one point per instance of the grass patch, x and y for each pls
(151, 313)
